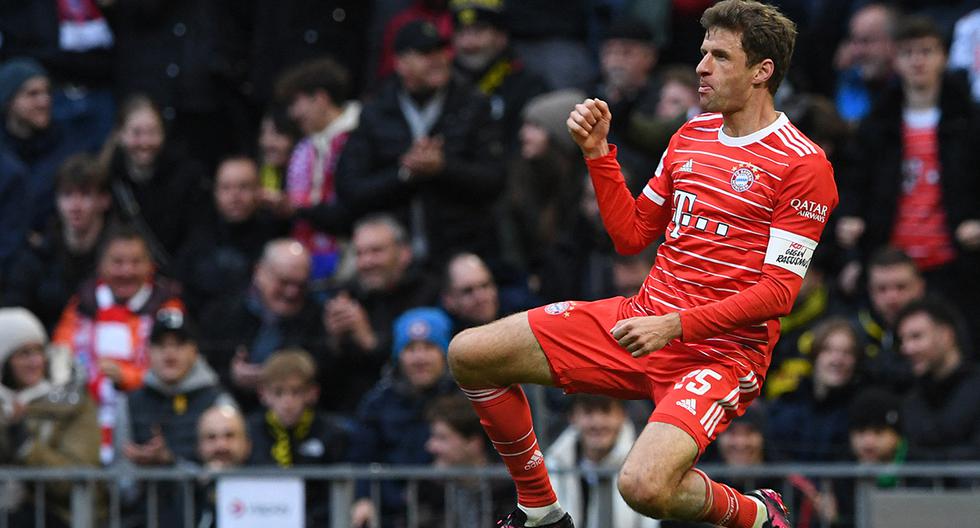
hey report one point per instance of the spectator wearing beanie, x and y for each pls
(44, 423)
(545, 182)
(391, 422)
(31, 149)
(484, 57)
(875, 428)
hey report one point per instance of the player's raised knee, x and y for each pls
(648, 496)
(465, 354)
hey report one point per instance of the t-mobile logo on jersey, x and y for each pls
(683, 206)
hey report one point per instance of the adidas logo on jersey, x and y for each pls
(688, 166)
(689, 404)
(537, 458)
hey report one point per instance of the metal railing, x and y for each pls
(87, 484)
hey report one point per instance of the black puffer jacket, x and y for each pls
(457, 203)
(942, 417)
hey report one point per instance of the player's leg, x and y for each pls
(658, 478)
(488, 362)
(499, 354)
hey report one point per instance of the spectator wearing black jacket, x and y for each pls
(274, 312)
(484, 57)
(46, 273)
(941, 415)
(218, 257)
(809, 424)
(428, 151)
(153, 185)
(359, 317)
(32, 147)
(391, 420)
(910, 180)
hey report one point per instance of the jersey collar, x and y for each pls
(741, 141)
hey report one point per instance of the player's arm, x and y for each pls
(804, 203)
(793, 238)
(631, 223)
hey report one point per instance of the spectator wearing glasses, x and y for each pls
(274, 312)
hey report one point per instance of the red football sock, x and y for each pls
(726, 507)
(506, 417)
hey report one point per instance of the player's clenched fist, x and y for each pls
(588, 124)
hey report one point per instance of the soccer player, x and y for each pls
(741, 197)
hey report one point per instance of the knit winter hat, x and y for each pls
(19, 327)
(13, 74)
(422, 324)
(550, 112)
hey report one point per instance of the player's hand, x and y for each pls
(642, 335)
(588, 124)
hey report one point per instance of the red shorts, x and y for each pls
(698, 393)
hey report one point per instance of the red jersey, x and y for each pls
(741, 217)
(920, 220)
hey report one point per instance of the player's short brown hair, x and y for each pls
(766, 33)
(291, 362)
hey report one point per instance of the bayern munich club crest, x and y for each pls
(557, 308)
(743, 176)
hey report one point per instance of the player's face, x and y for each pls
(287, 398)
(834, 366)
(726, 77)
(873, 445)
(891, 288)
(921, 62)
(125, 267)
(924, 343)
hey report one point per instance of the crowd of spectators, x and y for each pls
(251, 230)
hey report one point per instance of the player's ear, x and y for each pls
(763, 71)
